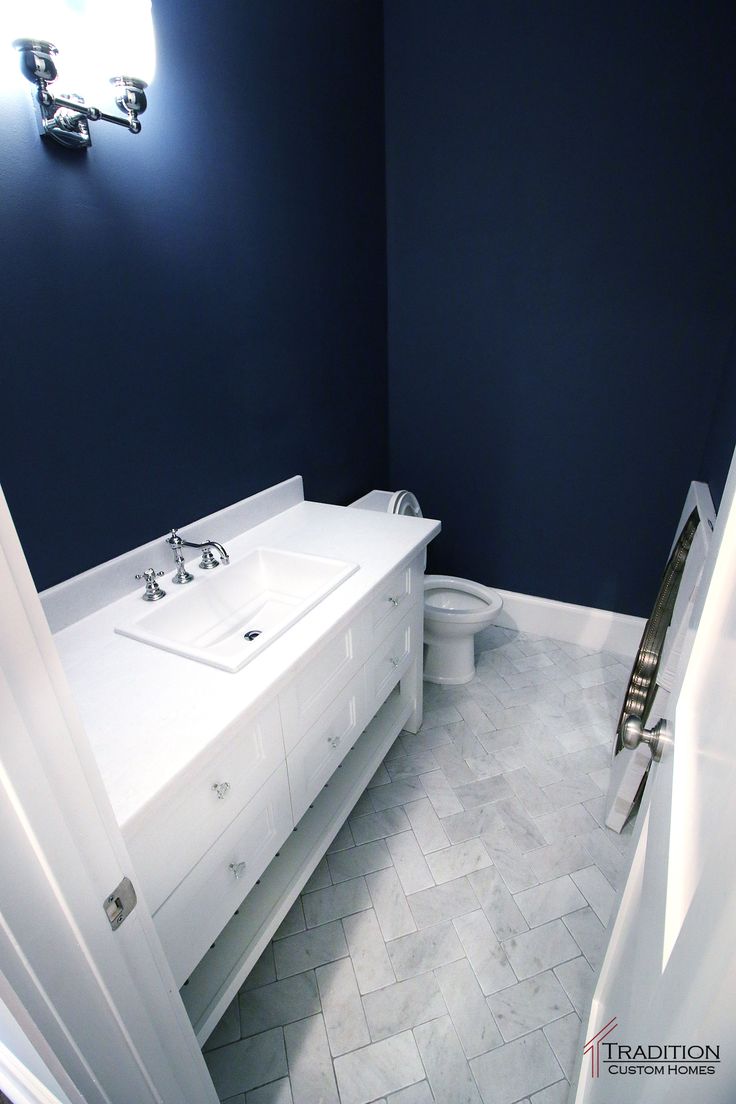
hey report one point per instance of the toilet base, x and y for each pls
(451, 661)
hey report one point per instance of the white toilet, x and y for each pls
(454, 609)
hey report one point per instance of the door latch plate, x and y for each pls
(121, 902)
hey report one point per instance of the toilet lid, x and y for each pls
(404, 502)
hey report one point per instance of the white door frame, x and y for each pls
(100, 1006)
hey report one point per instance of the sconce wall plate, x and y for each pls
(66, 119)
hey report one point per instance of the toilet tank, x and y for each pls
(374, 500)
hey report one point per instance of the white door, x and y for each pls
(99, 1005)
(668, 979)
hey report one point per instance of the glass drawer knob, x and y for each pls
(221, 788)
(333, 741)
(394, 661)
(238, 869)
(393, 601)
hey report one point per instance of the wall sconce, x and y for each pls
(98, 44)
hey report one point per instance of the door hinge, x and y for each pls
(121, 902)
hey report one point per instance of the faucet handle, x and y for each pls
(153, 591)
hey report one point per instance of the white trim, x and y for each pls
(599, 630)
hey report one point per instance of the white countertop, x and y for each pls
(149, 713)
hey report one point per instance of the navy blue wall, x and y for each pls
(193, 314)
(562, 292)
(719, 448)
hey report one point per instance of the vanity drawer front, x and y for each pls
(323, 748)
(311, 691)
(190, 920)
(394, 596)
(183, 826)
(389, 664)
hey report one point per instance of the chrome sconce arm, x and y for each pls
(66, 118)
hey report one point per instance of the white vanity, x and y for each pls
(229, 785)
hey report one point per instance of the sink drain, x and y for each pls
(251, 634)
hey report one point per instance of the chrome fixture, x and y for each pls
(633, 733)
(153, 591)
(98, 42)
(208, 561)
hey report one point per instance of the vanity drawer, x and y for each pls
(190, 920)
(317, 684)
(388, 664)
(394, 596)
(323, 748)
(167, 842)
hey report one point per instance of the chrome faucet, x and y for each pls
(208, 561)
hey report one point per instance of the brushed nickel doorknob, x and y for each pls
(633, 733)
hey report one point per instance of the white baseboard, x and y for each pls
(601, 630)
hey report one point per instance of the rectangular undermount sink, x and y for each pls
(227, 617)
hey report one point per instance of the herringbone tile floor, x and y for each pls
(445, 945)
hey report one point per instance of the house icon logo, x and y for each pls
(593, 1046)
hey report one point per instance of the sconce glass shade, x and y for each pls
(97, 39)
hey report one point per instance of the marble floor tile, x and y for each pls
(342, 1007)
(574, 821)
(403, 1005)
(448, 1072)
(378, 1069)
(484, 952)
(310, 1062)
(517, 870)
(483, 792)
(436, 715)
(409, 862)
(263, 972)
(529, 1005)
(308, 949)
(564, 1036)
(598, 892)
(572, 791)
(482, 821)
(278, 1092)
(442, 902)
(248, 1063)
(498, 904)
(467, 1006)
(426, 825)
(391, 906)
(425, 740)
(227, 1030)
(277, 1004)
(550, 900)
(457, 860)
(523, 830)
(336, 901)
(424, 950)
(454, 767)
(396, 793)
(377, 826)
(293, 922)
(556, 859)
(516, 1069)
(411, 766)
(540, 949)
(320, 876)
(612, 864)
(534, 799)
(589, 934)
(440, 793)
(577, 979)
(342, 840)
(368, 951)
(420, 1093)
(359, 860)
(555, 1094)
(474, 717)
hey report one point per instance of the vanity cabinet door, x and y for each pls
(325, 745)
(318, 683)
(389, 663)
(165, 842)
(193, 916)
(393, 598)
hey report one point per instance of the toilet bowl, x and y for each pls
(454, 609)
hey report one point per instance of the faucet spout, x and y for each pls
(208, 561)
